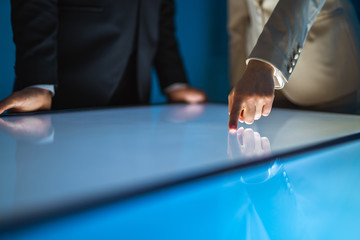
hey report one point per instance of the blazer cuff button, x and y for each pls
(299, 50)
(290, 69)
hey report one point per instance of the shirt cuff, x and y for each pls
(175, 86)
(45, 86)
(279, 79)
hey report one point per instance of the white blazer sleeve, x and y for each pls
(284, 34)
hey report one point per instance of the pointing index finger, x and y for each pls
(234, 115)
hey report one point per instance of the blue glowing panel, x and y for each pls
(311, 196)
(61, 160)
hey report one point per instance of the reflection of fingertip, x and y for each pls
(232, 131)
(240, 131)
(265, 140)
(248, 130)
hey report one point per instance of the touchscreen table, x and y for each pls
(63, 163)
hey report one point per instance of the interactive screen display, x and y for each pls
(63, 159)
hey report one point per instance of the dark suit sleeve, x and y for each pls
(168, 62)
(35, 25)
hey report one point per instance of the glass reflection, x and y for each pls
(268, 199)
(271, 202)
(247, 143)
(39, 128)
(183, 113)
(29, 128)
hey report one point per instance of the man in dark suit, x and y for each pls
(77, 53)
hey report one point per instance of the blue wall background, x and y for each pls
(7, 50)
(201, 31)
(203, 40)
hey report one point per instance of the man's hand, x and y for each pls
(186, 95)
(253, 95)
(27, 100)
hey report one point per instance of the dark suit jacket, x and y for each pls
(83, 46)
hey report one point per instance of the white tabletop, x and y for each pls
(60, 159)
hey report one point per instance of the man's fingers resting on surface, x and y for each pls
(27, 100)
(6, 104)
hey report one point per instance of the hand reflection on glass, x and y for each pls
(247, 143)
(28, 128)
(185, 113)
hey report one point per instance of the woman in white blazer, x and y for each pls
(307, 48)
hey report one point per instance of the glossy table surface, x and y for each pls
(60, 161)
